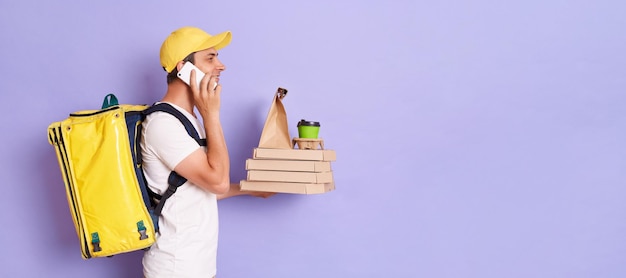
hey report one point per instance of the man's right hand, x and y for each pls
(206, 98)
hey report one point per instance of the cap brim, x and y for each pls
(218, 41)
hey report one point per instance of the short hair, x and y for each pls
(171, 76)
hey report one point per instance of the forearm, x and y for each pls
(217, 151)
(235, 190)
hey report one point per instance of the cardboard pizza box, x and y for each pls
(287, 176)
(294, 154)
(287, 187)
(288, 165)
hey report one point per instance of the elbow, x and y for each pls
(221, 188)
(216, 181)
(216, 185)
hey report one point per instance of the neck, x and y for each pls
(180, 94)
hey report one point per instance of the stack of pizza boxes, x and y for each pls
(285, 165)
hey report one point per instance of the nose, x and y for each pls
(220, 66)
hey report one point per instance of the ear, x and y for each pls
(179, 65)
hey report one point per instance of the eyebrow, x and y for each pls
(212, 54)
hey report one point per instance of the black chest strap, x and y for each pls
(174, 180)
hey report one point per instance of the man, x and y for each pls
(186, 244)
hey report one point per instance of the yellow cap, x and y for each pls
(187, 40)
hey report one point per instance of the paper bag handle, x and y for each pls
(281, 92)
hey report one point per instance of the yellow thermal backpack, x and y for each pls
(99, 154)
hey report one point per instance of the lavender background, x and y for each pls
(474, 138)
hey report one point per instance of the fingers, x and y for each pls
(213, 85)
(209, 93)
(204, 89)
(209, 82)
(218, 89)
(192, 81)
(193, 84)
(263, 195)
(206, 96)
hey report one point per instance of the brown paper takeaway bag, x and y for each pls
(275, 134)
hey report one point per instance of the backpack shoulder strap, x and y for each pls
(167, 108)
(175, 180)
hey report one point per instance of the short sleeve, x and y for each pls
(166, 137)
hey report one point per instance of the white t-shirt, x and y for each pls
(186, 245)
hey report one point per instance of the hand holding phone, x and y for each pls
(185, 74)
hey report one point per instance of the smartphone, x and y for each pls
(185, 74)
